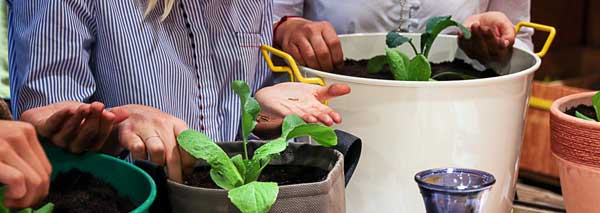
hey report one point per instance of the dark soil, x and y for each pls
(77, 191)
(359, 69)
(583, 109)
(281, 174)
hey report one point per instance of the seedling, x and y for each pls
(417, 68)
(239, 174)
(44, 209)
(596, 105)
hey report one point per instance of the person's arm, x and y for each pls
(516, 11)
(51, 75)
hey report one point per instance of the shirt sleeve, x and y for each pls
(283, 8)
(517, 11)
(50, 51)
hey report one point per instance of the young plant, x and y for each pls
(417, 68)
(239, 174)
(596, 105)
(44, 209)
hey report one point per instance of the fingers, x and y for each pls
(335, 46)
(53, 124)
(308, 54)
(15, 180)
(187, 161)
(314, 44)
(84, 137)
(131, 141)
(107, 122)
(332, 91)
(35, 187)
(322, 52)
(69, 128)
(154, 146)
(173, 157)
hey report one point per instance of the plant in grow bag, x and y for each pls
(417, 68)
(239, 174)
(590, 113)
(44, 209)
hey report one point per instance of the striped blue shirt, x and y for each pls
(105, 50)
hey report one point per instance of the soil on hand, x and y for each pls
(281, 174)
(588, 111)
(77, 191)
(358, 68)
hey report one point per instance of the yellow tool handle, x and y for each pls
(540, 27)
(292, 69)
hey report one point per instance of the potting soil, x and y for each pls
(588, 111)
(358, 68)
(281, 174)
(76, 191)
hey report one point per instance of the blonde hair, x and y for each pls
(166, 11)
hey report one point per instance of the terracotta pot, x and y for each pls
(576, 146)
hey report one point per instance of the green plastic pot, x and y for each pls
(129, 180)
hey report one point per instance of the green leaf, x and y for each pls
(376, 64)
(398, 62)
(273, 147)
(582, 116)
(254, 168)
(263, 155)
(323, 135)
(394, 39)
(239, 163)
(289, 123)
(434, 26)
(254, 197)
(419, 69)
(250, 109)
(223, 171)
(596, 104)
(293, 126)
(48, 208)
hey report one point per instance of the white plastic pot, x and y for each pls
(408, 127)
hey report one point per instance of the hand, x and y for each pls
(149, 131)
(493, 36)
(313, 44)
(304, 100)
(73, 125)
(24, 167)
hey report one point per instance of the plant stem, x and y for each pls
(246, 148)
(413, 47)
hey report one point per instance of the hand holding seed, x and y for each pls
(304, 100)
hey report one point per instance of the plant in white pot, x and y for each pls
(474, 121)
(239, 169)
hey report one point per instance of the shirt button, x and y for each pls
(188, 25)
(201, 117)
(202, 127)
(201, 107)
(191, 35)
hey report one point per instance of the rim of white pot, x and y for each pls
(457, 83)
(558, 108)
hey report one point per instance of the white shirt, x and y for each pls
(362, 16)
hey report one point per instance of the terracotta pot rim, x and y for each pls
(555, 109)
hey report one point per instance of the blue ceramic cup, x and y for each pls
(454, 190)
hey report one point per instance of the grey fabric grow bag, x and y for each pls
(324, 196)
